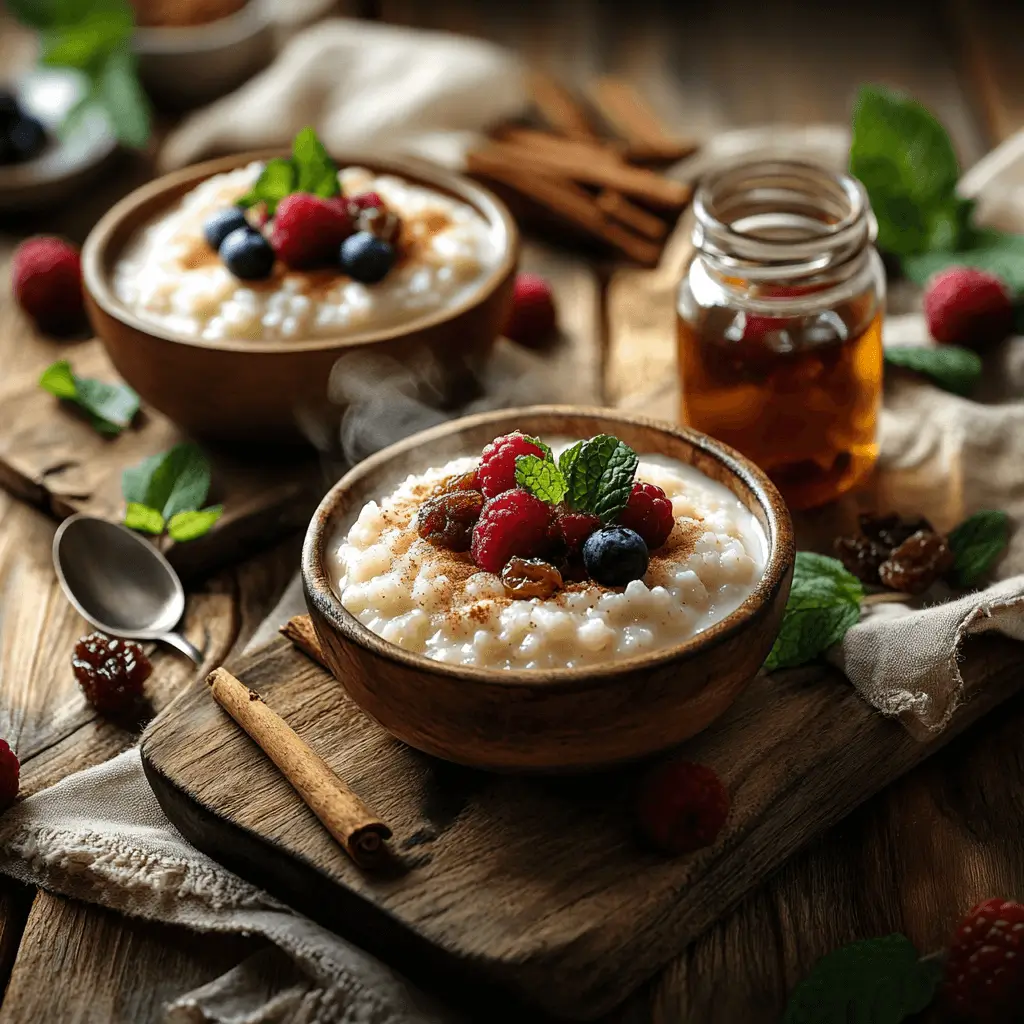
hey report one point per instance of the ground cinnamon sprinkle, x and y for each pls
(199, 254)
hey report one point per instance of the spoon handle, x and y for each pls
(179, 643)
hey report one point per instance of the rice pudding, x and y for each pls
(171, 277)
(413, 582)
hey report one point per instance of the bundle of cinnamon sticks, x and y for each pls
(609, 190)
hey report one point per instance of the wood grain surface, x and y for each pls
(911, 859)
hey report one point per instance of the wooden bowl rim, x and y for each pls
(95, 251)
(779, 534)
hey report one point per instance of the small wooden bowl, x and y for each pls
(561, 719)
(252, 390)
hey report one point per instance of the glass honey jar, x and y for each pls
(780, 325)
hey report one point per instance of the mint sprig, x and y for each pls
(166, 492)
(953, 368)
(541, 477)
(977, 544)
(110, 408)
(882, 981)
(309, 169)
(824, 602)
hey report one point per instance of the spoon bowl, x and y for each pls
(119, 582)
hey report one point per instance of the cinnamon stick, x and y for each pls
(627, 112)
(559, 107)
(361, 833)
(299, 629)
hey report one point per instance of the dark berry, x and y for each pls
(247, 254)
(513, 523)
(649, 513)
(532, 321)
(26, 138)
(917, 563)
(615, 556)
(681, 806)
(525, 578)
(10, 109)
(222, 223)
(10, 769)
(573, 528)
(447, 520)
(110, 672)
(497, 472)
(366, 258)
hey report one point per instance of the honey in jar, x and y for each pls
(780, 325)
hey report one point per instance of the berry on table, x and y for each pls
(247, 254)
(615, 556)
(219, 225)
(367, 258)
(967, 306)
(984, 973)
(46, 276)
(10, 769)
(308, 230)
(513, 523)
(681, 806)
(110, 672)
(649, 513)
(532, 319)
(497, 471)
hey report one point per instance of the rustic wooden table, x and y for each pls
(909, 860)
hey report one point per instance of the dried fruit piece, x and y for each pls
(110, 672)
(864, 552)
(525, 578)
(447, 520)
(459, 482)
(892, 530)
(681, 806)
(917, 563)
(861, 556)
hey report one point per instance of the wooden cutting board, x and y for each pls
(535, 887)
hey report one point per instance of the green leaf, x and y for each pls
(177, 480)
(951, 367)
(110, 407)
(600, 476)
(316, 172)
(185, 526)
(824, 602)
(119, 91)
(59, 380)
(977, 544)
(568, 459)
(542, 446)
(276, 180)
(88, 43)
(905, 160)
(143, 518)
(995, 251)
(541, 478)
(874, 981)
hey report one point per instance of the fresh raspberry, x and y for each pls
(681, 806)
(532, 320)
(110, 672)
(513, 523)
(366, 201)
(308, 230)
(46, 275)
(10, 768)
(573, 528)
(649, 513)
(497, 472)
(965, 306)
(985, 969)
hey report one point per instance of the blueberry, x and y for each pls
(366, 258)
(247, 254)
(222, 223)
(25, 139)
(615, 556)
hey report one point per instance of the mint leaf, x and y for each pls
(316, 171)
(907, 164)
(977, 544)
(824, 602)
(874, 981)
(995, 251)
(86, 43)
(541, 478)
(185, 526)
(135, 479)
(109, 407)
(542, 446)
(277, 180)
(600, 476)
(143, 518)
(120, 93)
(177, 480)
(953, 368)
(568, 459)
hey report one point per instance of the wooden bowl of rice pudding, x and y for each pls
(244, 360)
(433, 649)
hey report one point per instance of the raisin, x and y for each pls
(861, 556)
(864, 552)
(530, 577)
(447, 520)
(917, 563)
(892, 530)
(110, 671)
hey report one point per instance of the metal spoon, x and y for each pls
(119, 582)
